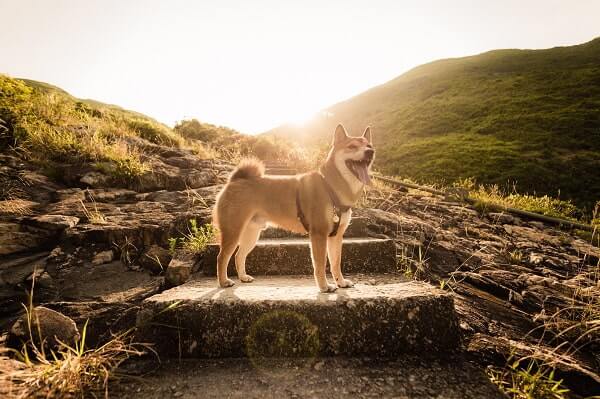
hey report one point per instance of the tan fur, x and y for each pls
(250, 202)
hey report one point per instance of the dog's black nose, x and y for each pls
(369, 152)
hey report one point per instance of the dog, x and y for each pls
(318, 203)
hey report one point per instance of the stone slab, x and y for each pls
(287, 316)
(292, 256)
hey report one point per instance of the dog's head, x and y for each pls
(355, 153)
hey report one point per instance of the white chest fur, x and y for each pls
(355, 185)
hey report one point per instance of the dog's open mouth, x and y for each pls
(360, 169)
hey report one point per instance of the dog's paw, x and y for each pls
(228, 283)
(246, 279)
(329, 288)
(345, 283)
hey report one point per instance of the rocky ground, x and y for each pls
(96, 250)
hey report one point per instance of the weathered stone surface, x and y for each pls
(292, 256)
(103, 257)
(15, 271)
(95, 179)
(16, 237)
(53, 222)
(48, 327)
(388, 319)
(155, 259)
(109, 282)
(178, 272)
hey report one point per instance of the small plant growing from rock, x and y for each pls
(515, 257)
(533, 381)
(195, 240)
(94, 216)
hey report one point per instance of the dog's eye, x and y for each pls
(352, 147)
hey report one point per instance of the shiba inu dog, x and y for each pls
(316, 202)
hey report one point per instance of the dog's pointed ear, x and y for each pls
(367, 134)
(340, 134)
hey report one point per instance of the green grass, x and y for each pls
(195, 240)
(532, 381)
(528, 117)
(492, 198)
(51, 128)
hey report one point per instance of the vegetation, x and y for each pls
(71, 372)
(523, 116)
(530, 382)
(231, 145)
(66, 372)
(50, 127)
(493, 196)
(195, 240)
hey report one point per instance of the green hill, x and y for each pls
(528, 117)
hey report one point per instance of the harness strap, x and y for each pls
(338, 209)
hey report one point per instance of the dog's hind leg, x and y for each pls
(230, 237)
(318, 250)
(248, 240)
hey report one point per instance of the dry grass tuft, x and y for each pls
(69, 373)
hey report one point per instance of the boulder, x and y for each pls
(103, 257)
(43, 328)
(155, 259)
(178, 272)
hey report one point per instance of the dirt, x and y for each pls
(313, 378)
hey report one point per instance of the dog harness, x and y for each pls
(338, 208)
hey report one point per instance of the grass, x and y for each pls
(532, 381)
(488, 198)
(69, 373)
(94, 216)
(50, 127)
(195, 240)
(66, 371)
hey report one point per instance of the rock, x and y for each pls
(155, 259)
(16, 271)
(95, 179)
(54, 222)
(535, 259)
(48, 328)
(16, 238)
(110, 282)
(103, 257)
(178, 272)
(537, 225)
(501, 218)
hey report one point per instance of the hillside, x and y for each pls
(531, 117)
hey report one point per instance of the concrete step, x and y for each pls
(286, 316)
(292, 256)
(357, 228)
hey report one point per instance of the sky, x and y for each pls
(253, 65)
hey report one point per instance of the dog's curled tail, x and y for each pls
(247, 169)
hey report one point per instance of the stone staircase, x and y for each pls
(282, 313)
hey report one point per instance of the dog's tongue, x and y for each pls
(363, 173)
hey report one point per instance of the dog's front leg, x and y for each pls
(334, 252)
(318, 251)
